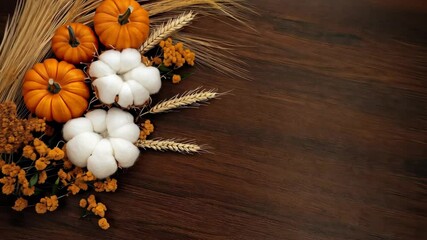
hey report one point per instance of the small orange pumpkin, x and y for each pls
(121, 24)
(74, 43)
(55, 90)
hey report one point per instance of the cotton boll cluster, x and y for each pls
(121, 77)
(102, 141)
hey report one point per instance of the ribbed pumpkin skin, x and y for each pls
(114, 35)
(83, 52)
(71, 100)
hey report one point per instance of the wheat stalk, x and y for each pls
(230, 8)
(187, 147)
(27, 36)
(191, 98)
(167, 29)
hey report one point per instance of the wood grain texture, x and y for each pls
(328, 141)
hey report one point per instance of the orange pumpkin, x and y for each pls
(121, 24)
(74, 43)
(55, 90)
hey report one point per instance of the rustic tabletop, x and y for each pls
(326, 141)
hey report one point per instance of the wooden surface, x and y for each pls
(328, 141)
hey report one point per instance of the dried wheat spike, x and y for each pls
(191, 98)
(167, 29)
(187, 147)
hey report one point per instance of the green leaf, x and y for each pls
(55, 187)
(186, 75)
(162, 68)
(34, 179)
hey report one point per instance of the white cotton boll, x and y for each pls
(149, 77)
(108, 87)
(111, 58)
(125, 152)
(117, 118)
(76, 126)
(136, 73)
(129, 59)
(128, 132)
(139, 93)
(103, 148)
(125, 96)
(81, 147)
(99, 69)
(102, 165)
(98, 119)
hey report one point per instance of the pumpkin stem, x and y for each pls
(124, 18)
(73, 40)
(53, 87)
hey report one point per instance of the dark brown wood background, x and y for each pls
(328, 141)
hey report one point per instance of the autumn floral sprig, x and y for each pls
(170, 57)
(38, 175)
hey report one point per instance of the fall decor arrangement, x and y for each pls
(75, 103)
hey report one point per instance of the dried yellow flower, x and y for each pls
(68, 164)
(176, 78)
(40, 147)
(20, 204)
(176, 54)
(42, 177)
(110, 185)
(83, 203)
(14, 132)
(8, 185)
(10, 169)
(28, 152)
(91, 202)
(99, 186)
(28, 191)
(55, 154)
(73, 189)
(50, 203)
(103, 223)
(99, 209)
(88, 177)
(22, 179)
(41, 163)
(41, 208)
(146, 129)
